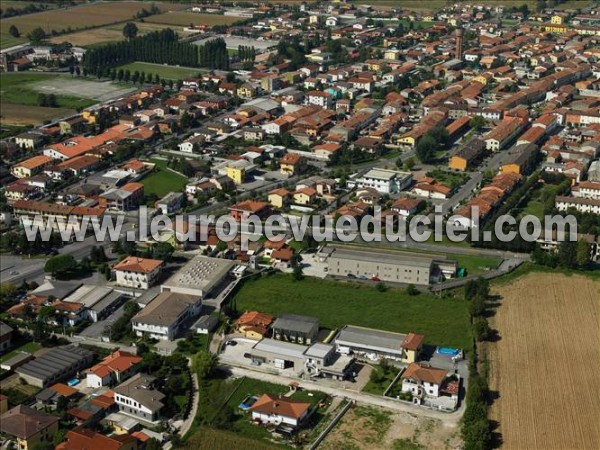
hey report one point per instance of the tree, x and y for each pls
(412, 290)
(37, 36)
(567, 254)
(426, 149)
(14, 31)
(381, 287)
(482, 329)
(60, 264)
(163, 250)
(477, 306)
(97, 254)
(410, 163)
(185, 120)
(583, 253)
(130, 30)
(52, 101)
(477, 123)
(204, 364)
(297, 273)
(42, 100)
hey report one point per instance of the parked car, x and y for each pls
(351, 275)
(362, 277)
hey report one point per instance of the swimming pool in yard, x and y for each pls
(448, 351)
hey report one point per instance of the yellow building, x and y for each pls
(305, 196)
(407, 140)
(31, 428)
(279, 198)
(458, 163)
(558, 28)
(246, 91)
(556, 20)
(237, 174)
(89, 117)
(391, 54)
(291, 164)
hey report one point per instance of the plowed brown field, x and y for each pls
(546, 366)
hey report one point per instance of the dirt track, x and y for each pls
(546, 364)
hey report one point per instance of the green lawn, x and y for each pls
(535, 205)
(161, 181)
(18, 89)
(378, 385)
(442, 321)
(29, 347)
(163, 71)
(476, 264)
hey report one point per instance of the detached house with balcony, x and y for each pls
(164, 316)
(139, 398)
(138, 273)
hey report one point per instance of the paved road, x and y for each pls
(450, 419)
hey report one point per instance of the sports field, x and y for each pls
(185, 18)
(545, 365)
(163, 71)
(19, 95)
(336, 303)
(75, 18)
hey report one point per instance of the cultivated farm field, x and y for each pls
(185, 18)
(545, 365)
(75, 18)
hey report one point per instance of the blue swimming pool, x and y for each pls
(247, 402)
(447, 351)
(73, 382)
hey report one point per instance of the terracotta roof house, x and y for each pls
(84, 438)
(422, 379)
(253, 324)
(269, 409)
(116, 367)
(140, 273)
(261, 209)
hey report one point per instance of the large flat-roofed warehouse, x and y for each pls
(55, 365)
(392, 266)
(199, 277)
(367, 343)
(296, 328)
(317, 360)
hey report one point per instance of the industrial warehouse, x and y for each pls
(395, 267)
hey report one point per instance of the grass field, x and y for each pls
(75, 18)
(164, 71)
(442, 321)
(29, 115)
(185, 18)
(535, 205)
(162, 181)
(19, 95)
(22, 89)
(544, 365)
